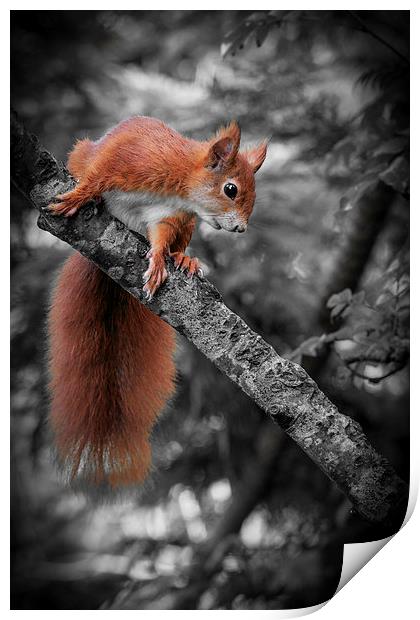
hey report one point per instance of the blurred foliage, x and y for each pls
(375, 335)
(334, 99)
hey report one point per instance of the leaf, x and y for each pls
(344, 333)
(337, 310)
(397, 175)
(311, 346)
(352, 197)
(295, 356)
(259, 22)
(363, 337)
(343, 374)
(261, 33)
(345, 204)
(392, 147)
(358, 298)
(343, 149)
(257, 17)
(344, 297)
(235, 39)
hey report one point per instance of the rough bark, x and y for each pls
(195, 308)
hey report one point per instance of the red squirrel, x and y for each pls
(111, 359)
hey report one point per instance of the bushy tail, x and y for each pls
(111, 374)
(79, 157)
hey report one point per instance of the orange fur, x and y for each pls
(79, 157)
(111, 374)
(111, 358)
(145, 154)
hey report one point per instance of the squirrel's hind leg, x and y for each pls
(69, 203)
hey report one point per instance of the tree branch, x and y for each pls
(194, 308)
(375, 35)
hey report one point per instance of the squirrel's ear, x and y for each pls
(256, 155)
(225, 146)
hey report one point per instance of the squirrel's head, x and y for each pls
(223, 185)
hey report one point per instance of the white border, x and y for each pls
(388, 584)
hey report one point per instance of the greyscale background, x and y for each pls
(234, 516)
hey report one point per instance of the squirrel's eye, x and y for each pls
(230, 190)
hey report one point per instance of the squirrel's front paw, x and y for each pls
(155, 275)
(186, 263)
(68, 205)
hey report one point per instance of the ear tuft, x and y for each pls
(225, 146)
(256, 156)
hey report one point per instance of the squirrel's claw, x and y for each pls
(185, 263)
(155, 275)
(67, 204)
(60, 208)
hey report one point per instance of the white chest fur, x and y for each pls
(139, 209)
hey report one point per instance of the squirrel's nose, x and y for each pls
(240, 228)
